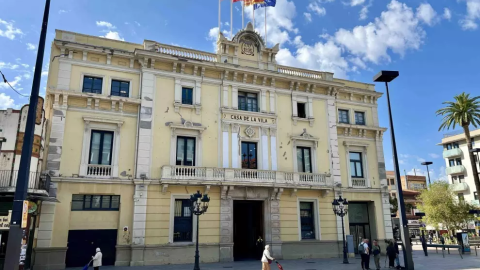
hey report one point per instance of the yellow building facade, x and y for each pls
(137, 128)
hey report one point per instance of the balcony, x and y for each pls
(359, 183)
(36, 184)
(231, 176)
(455, 169)
(99, 171)
(459, 187)
(455, 152)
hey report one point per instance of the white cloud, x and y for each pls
(364, 13)
(27, 76)
(113, 35)
(6, 101)
(9, 30)
(419, 159)
(473, 14)
(308, 16)
(137, 23)
(31, 47)
(226, 23)
(105, 24)
(447, 14)
(356, 2)
(14, 83)
(433, 155)
(213, 35)
(427, 14)
(25, 65)
(4, 65)
(315, 8)
(61, 11)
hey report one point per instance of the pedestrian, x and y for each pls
(397, 254)
(259, 246)
(363, 250)
(97, 259)
(391, 254)
(266, 258)
(376, 250)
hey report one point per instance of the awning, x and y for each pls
(43, 198)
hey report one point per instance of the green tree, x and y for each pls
(465, 111)
(440, 206)
(393, 205)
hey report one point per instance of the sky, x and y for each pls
(433, 44)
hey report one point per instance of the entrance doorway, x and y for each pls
(83, 243)
(359, 222)
(359, 232)
(247, 227)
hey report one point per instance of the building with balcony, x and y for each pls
(458, 166)
(136, 128)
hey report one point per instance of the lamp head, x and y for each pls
(386, 76)
(427, 163)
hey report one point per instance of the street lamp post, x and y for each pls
(340, 208)
(386, 77)
(426, 163)
(199, 206)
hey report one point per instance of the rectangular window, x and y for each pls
(356, 165)
(451, 162)
(301, 110)
(187, 96)
(461, 178)
(461, 197)
(455, 145)
(475, 195)
(249, 155)
(185, 151)
(454, 179)
(101, 144)
(307, 220)
(120, 88)
(95, 202)
(449, 146)
(304, 160)
(247, 102)
(182, 221)
(92, 85)
(392, 182)
(359, 118)
(459, 161)
(343, 116)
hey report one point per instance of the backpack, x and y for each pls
(361, 248)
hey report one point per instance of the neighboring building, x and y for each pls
(137, 128)
(12, 126)
(410, 197)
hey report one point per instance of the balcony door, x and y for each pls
(101, 145)
(249, 155)
(185, 151)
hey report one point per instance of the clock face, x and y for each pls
(32, 207)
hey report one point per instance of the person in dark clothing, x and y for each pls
(391, 254)
(397, 254)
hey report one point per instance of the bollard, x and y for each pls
(476, 251)
(443, 251)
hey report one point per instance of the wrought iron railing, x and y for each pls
(8, 179)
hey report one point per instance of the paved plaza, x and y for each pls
(434, 261)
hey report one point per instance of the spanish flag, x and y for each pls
(253, 2)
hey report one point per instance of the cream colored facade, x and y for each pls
(146, 126)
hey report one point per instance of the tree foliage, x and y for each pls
(440, 206)
(393, 205)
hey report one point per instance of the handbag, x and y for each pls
(269, 261)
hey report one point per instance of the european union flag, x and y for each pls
(266, 3)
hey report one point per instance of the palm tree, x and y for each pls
(465, 111)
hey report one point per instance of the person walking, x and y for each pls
(363, 250)
(376, 251)
(397, 254)
(391, 254)
(266, 258)
(97, 259)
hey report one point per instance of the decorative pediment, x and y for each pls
(305, 136)
(188, 125)
(249, 40)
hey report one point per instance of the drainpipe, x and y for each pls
(138, 125)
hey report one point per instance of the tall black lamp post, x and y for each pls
(426, 163)
(340, 208)
(198, 207)
(386, 77)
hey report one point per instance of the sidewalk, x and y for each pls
(434, 261)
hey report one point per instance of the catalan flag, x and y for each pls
(266, 3)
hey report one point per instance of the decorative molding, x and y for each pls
(164, 188)
(265, 131)
(225, 126)
(294, 192)
(207, 189)
(235, 128)
(117, 122)
(305, 136)
(249, 131)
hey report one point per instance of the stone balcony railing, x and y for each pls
(359, 183)
(232, 176)
(455, 152)
(99, 171)
(459, 187)
(456, 169)
(185, 53)
(305, 73)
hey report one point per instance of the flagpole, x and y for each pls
(231, 19)
(253, 18)
(265, 25)
(243, 14)
(219, 15)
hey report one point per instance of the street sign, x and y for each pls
(25, 214)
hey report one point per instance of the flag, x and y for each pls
(237, 1)
(266, 3)
(253, 2)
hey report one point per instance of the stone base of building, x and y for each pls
(49, 258)
(311, 249)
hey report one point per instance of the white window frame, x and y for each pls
(123, 80)
(316, 218)
(351, 146)
(258, 141)
(308, 101)
(104, 82)
(261, 98)
(196, 95)
(172, 220)
(186, 130)
(305, 140)
(104, 124)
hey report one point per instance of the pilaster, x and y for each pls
(226, 226)
(272, 101)
(45, 227)
(235, 146)
(146, 125)
(139, 221)
(265, 155)
(333, 138)
(225, 145)
(273, 148)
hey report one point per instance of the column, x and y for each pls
(235, 146)
(387, 220)
(145, 125)
(225, 145)
(265, 154)
(263, 106)
(275, 237)
(234, 97)
(116, 149)
(294, 106)
(225, 96)
(226, 226)
(333, 141)
(310, 107)
(198, 93)
(55, 145)
(273, 147)
(139, 221)
(272, 101)
(45, 227)
(178, 90)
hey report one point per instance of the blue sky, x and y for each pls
(434, 45)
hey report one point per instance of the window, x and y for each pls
(461, 197)
(187, 96)
(451, 162)
(304, 160)
(92, 85)
(301, 110)
(182, 221)
(101, 144)
(459, 161)
(185, 151)
(249, 155)
(392, 182)
(356, 166)
(359, 118)
(455, 145)
(454, 179)
(307, 220)
(247, 102)
(120, 88)
(95, 202)
(475, 195)
(461, 178)
(449, 146)
(343, 116)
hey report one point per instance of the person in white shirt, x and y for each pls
(97, 259)
(266, 257)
